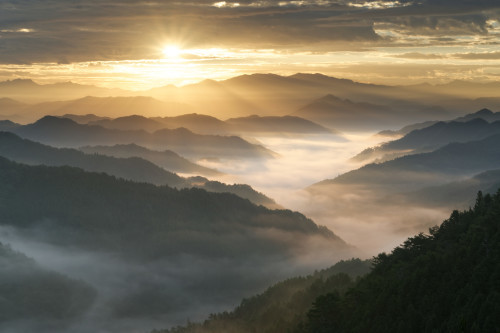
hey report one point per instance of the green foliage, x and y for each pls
(447, 281)
(282, 307)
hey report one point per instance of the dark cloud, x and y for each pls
(71, 31)
(418, 55)
(479, 56)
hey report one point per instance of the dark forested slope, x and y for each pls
(95, 210)
(126, 166)
(447, 281)
(282, 307)
(133, 168)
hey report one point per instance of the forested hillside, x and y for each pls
(99, 211)
(445, 281)
(154, 254)
(282, 307)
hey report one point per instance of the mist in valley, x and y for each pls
(366, 218)
(182, 254)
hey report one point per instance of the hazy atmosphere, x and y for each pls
(249, 166)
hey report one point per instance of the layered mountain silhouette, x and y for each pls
(63, 132)
(407, 129)
(28, 90)
(158, 209)
(166, 159)
(484, 114)
(83, 118)
(126, 167)
(204, 124)
(129, 123)
(261, 94)
(198, 123)
(431, 138)
(108, 107)
(345, 114)
(13, 110)
(7, 125)
(446, 163)
(132, 168)
(153, 253)
(270, 124)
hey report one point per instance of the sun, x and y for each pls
(172, 52)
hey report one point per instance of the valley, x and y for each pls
(181, 215)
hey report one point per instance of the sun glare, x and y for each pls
(172, 52)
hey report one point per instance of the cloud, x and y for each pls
(62, 31)
(478, 56)
(418, 55)
(463, 56)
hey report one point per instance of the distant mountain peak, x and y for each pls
(132, 117)
(19, 83)
(484, 112)
(330, 97)
(54, 120)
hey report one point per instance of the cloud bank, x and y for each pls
(63, 32)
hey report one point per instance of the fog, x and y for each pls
(178, 287)
(371, 221)
(302, 160)
(137, 296)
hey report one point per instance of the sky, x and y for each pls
(143, 44)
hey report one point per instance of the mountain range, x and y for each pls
(261, 94)
(430, 138)
(153, 254)
(204, 124)
(130, 167)
(449, 162)
(484, 114)
(443, 281)
(64, 132)
(345, 114)
(166, 159)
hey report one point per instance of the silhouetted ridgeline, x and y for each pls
(166, 159)
(446, 163)
(430, 138)
(96, 211)
(64, 132)
(447, 281)
(130, 168)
